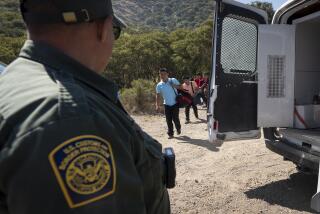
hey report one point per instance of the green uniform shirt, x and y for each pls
(66, 145)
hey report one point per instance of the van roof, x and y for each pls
(293, 9)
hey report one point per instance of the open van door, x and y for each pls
(276, 68)
(233, 83)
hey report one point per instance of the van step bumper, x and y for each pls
(295, 154)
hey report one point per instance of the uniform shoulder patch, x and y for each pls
(85, 169)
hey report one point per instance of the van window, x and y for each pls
(238, 46)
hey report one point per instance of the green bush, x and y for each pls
(140, 98)
(10, 48)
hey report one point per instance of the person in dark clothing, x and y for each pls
(167, 87)
(172, 114)
(67, 145)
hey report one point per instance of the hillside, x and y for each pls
(164, 14)
(145, 14)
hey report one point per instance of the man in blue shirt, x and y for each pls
(167, 87)
(2, 67)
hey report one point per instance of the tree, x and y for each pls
(192, 49)
(139, 56)
(266, 6)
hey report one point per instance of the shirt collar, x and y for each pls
(52, 57)
(168, 80)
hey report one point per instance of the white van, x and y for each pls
(268, 76)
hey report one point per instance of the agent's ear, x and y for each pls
(103, 29)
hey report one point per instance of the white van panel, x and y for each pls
(307, 77)
(282, 15)
(276, 68)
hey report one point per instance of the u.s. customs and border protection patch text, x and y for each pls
(85, 169)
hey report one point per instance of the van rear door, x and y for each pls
(233, 83)
(276, 66)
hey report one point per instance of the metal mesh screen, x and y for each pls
(276, 76)
(239, 46)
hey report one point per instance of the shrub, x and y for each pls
(10, 48)
(140, 98)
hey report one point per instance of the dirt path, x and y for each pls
(230, 177)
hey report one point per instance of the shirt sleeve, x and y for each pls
(78, 166)
(158, 89)
(175, 81)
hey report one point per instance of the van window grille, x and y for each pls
(276, 76)
(238, 46)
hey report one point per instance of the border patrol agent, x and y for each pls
(66, 144)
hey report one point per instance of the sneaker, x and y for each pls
(178, 132)
(170, 137)
(187, 122)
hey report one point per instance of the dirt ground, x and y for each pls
(232, 176)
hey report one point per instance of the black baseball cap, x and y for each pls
(163, 70)
(67, 11)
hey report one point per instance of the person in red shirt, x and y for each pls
(202, 83)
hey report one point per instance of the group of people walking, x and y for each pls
(168, 88)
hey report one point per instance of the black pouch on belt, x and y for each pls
(170, 169)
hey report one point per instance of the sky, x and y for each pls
(276, 3)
